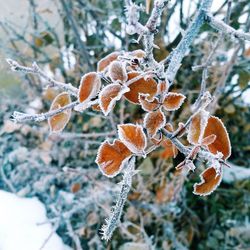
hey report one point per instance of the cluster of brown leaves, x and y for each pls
(126, 78)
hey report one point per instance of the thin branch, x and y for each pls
(23, 117)
(115, 216)
(15, 66)
(226, 29)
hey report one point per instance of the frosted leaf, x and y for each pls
(58, 122)
(222, 142)
(173, 101)
(109, 95)
(148, 104)
(117, 72)
(154, 121)
(210, 180)
(89, 87)
(105, 62)
(197, 127)
(111, 158)
(133, 137)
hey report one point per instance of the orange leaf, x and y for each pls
(170, 149)
(197, 127)
(162, 87)
(109, 95)
(222, 142)
(111, 158)
(147, 104)
(89, 87)
(104, 62)
(133, 137)
(210, 180)
(117, 72)
(173, 101)
(140, 86)
(154, 121)
(58, 122)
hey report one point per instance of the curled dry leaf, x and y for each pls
(148, 104)
(111, 158)
(197, 127)
(117, 72)
(109, 95)
(89, 87)
(133, 137)
(58, 122)
(104, 62)
(154, 121)
(140, 86)
(173, 101)
(222, 142)
(210, 180)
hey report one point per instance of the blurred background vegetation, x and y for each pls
(67, 38)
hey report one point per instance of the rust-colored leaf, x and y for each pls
(112, 157)
(162, 87)
(173, 101)
(170, 150)
(222, 142)
(197, 127)
(140, 86)
(154, 121)
(58, 122)
(89, 87)
(210, 180)
(76, 187)
(109, 95)
(133, 137)
(117, 72)
(148, 104)
(104, 62)
(96, 107)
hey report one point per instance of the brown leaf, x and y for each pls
(76, 187)
(104, 62)
(148, 104)
(197, 127)
(222, 142)
(210, 180)
(117, 72)
(112, 157)
(140, 86)
(89, 87)
(133, 137)
(58, 122)
(109, 95)
(154, 121)
(173, 101)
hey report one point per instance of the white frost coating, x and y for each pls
(105, 90)
(117, 71)
(147, 99)
(18, 225)
(130, 144)
(204, 115)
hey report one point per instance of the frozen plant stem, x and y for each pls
(22, 117)
(114, 219)
(35, 69)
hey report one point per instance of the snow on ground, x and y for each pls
(18, 225)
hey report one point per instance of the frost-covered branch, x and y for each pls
(35, 69)
(23, 117)
(177, 55)
(115, 216)
(226, 29)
